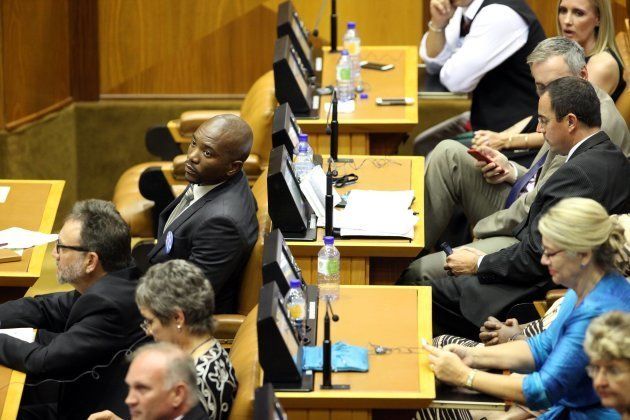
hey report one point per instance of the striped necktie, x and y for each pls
(181, 206)
(522, 182)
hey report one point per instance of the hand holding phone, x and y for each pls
(446, 248)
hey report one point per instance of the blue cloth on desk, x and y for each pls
(345, 358)
(559, 382)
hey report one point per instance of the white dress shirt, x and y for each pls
(496, 33)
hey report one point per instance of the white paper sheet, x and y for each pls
(24, 334)
(313, 186)
(4, 192)
(16, 238)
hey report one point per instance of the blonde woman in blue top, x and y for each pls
(580, 244)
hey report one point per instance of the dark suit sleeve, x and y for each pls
(95, 333)
(48, 312)
(217, 248)
(520, 263)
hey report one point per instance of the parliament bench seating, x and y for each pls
(141, 210)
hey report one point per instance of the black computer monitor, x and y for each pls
(285, 130)
(289, 24)
(266, 405)
(291, 81)
(279, 351)
(288, 208)
(278, 264)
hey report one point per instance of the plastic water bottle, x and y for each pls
(352, 43)
(345, 87)
(328, 265)
(295, 303)
(309, 149)
(303, 163)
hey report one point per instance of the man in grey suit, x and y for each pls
(453, 177)
(488, 284)
(213, 223)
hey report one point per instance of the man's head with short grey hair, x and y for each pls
(571, 51)
(162, 382)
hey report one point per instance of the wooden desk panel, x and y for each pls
(359, 256)
(11, 386)
(29, 205)
(368, 117)
(394, 381)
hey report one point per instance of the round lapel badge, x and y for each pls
(169, 242)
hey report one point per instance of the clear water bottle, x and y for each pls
(303, 163)
(309, 149)
(295, 303)
(328, 265)
(345, 87)
(352, 43)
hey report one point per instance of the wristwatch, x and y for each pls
(470, 378)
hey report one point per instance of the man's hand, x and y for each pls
(104, 415)
(449, 364)
(488, 138)
(441, 12)
(463, 261)
(499, 170)
(494, 331)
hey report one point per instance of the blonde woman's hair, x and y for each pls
(582, 224)
(605, 32)
(608, 337)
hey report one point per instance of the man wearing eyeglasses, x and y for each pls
(81, 329)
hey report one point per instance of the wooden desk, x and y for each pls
(29, 205)
(386, 315)
(371, 129)
(11, 386)
(372, 260)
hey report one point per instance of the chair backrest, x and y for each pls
(257, 110)
(244, 358)
(251, 281)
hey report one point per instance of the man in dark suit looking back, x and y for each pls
(569, 118)
(213, 223)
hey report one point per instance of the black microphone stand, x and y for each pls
(333, 27)
(329, 199)
(327, 351)
(334, 128)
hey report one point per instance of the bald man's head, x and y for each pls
(218, 149)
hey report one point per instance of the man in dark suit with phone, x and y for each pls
(213, 223)
(82, 329)
(484, 285)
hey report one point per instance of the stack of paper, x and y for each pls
(18, 238)
(313, 186)
(378, 213)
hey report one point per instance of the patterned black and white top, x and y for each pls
(216, 382)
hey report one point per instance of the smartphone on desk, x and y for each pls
(376, 66)
(393, 101)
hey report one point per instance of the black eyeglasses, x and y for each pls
(59, 246)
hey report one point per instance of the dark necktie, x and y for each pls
(181, 206)
(522, 182)
(464, 26)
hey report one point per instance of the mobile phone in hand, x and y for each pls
(446, 248)
(483, 158)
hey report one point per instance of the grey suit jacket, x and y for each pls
(504, 221)
(217, 233)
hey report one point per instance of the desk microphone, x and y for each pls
(329, 199)
(327, 351)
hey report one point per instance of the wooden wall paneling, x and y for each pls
(378, 22)
(2, 93)
(191, 47)
(84, 69)
(222, 46)
(35, 46)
